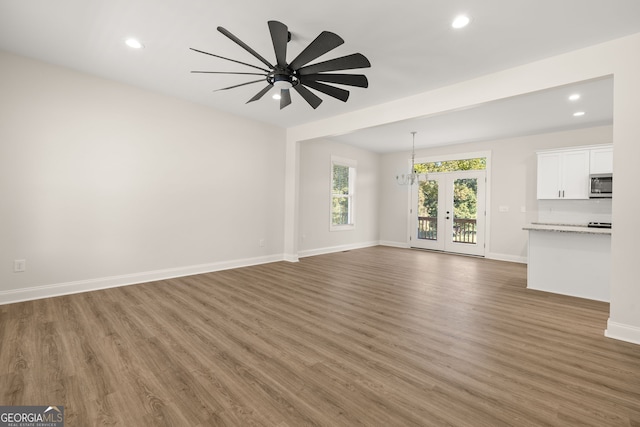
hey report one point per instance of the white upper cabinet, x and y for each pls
(602, 160)
(563, 174)
(549, 176)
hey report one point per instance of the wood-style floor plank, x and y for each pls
(373, 337)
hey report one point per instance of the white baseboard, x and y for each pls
(332, 249)
(489, 255)
(622, 332)
(403, 245)
(58, 289)
(506, 257)
(291, 258)
(47, 291)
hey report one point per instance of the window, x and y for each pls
(343, 178)
(477, 163)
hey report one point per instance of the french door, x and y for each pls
(448, 212)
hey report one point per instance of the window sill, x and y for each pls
(345, 227)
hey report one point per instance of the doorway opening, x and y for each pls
(448, 206)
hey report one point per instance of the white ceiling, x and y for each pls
(410, 44)
(544, 111)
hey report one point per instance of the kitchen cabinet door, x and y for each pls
(549, 176)
(602, 160)
(563, 175)
(575, 175)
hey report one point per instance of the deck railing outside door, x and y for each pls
(464, 230)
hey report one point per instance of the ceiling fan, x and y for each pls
(297, 74)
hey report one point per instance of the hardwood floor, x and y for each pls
(376, 337)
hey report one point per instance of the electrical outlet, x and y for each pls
(261, 242)
(19, 265)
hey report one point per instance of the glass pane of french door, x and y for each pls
(465, 210)
(428, 210)
(429, 222)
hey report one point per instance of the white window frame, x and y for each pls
(352, 165)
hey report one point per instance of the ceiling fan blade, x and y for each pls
(285, 98)
(260, 94)
(244, 46)
(356, 60)
(228, 59)
(358, 80)
(333, 91)
(322, 44)
(280, 38)
(313, 99)
(229, 72)
(241, 84)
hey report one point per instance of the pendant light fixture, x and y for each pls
(411, 177)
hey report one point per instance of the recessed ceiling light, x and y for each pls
(460, 21)
(574, 97)
(276, 96)
(578, 114)
(134, 44)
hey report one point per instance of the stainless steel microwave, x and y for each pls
(600, 185)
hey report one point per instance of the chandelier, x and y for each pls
(412, 177)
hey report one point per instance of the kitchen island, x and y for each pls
(570, 260)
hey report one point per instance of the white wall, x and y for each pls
(315, 198)
(104, 184)
(512, 185)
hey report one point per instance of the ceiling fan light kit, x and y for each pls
(297, 74)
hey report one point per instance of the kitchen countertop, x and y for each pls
(566, 228)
